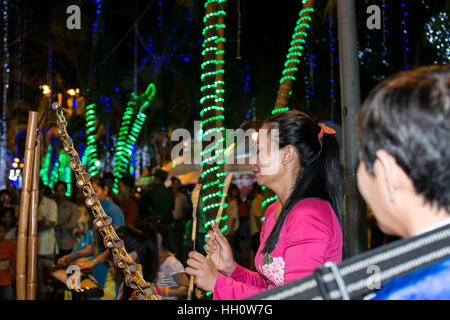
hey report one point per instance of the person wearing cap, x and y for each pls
(157, 200)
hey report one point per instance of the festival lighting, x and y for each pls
(212, 100)
(91, 148)
(129, 131)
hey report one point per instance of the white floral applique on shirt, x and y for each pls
(273, 269)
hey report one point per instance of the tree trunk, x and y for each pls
(350, 101)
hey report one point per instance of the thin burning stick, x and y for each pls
(224, 195)
(194, 199)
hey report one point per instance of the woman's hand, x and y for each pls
(86, 265)
(204, 272)
(220, 252)
(65, 259)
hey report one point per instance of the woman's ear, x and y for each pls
(287, 154)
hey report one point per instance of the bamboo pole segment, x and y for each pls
(32, 227)
(194, 199)
(24, 206)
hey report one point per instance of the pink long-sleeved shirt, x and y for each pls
(311, 236)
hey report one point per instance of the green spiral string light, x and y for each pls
(212, 100)
(45, 166)
(293, 60)
(129, 131)
(91, 145)
(64, 171)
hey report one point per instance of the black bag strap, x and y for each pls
(363, 273)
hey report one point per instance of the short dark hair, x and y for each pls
(408, 116)
(57, 183)
(128, 181)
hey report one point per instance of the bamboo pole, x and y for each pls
(24, 206)
(32, 227)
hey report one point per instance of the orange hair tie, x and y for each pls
(327, 130)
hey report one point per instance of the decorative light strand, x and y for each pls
(129, 132)
(438, 34)
(212, 100)
(405, 34)
(98, 5)
(332, 79)
(5, 76)
(91, 142)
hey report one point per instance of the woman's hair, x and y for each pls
(47, 191)
(156, 223)
(232, 188)
(320, 174)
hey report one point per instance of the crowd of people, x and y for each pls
(403, 136)
(155, 222)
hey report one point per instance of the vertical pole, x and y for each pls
(350, 102)
(32, 227)
(24, 206)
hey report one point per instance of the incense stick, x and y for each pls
(194, 199)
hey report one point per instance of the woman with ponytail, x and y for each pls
(299, 161)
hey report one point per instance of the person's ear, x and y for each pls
(287, 154)
(394, 177)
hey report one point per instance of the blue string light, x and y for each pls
(405, 33)
(332, 62)
(98, 5)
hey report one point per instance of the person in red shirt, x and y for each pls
(128, 205)
(7, 265)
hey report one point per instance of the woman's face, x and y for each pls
(268, 158)
(5, 198)
(102, 193)
(176, 186)
(7, 218)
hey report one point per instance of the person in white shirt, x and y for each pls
(47, 245)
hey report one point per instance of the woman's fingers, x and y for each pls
(197, 256)
(211, 242)
(190, 271)
(222, 242)
(194, 263)
(208, 249)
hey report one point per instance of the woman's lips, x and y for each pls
(255, 172)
